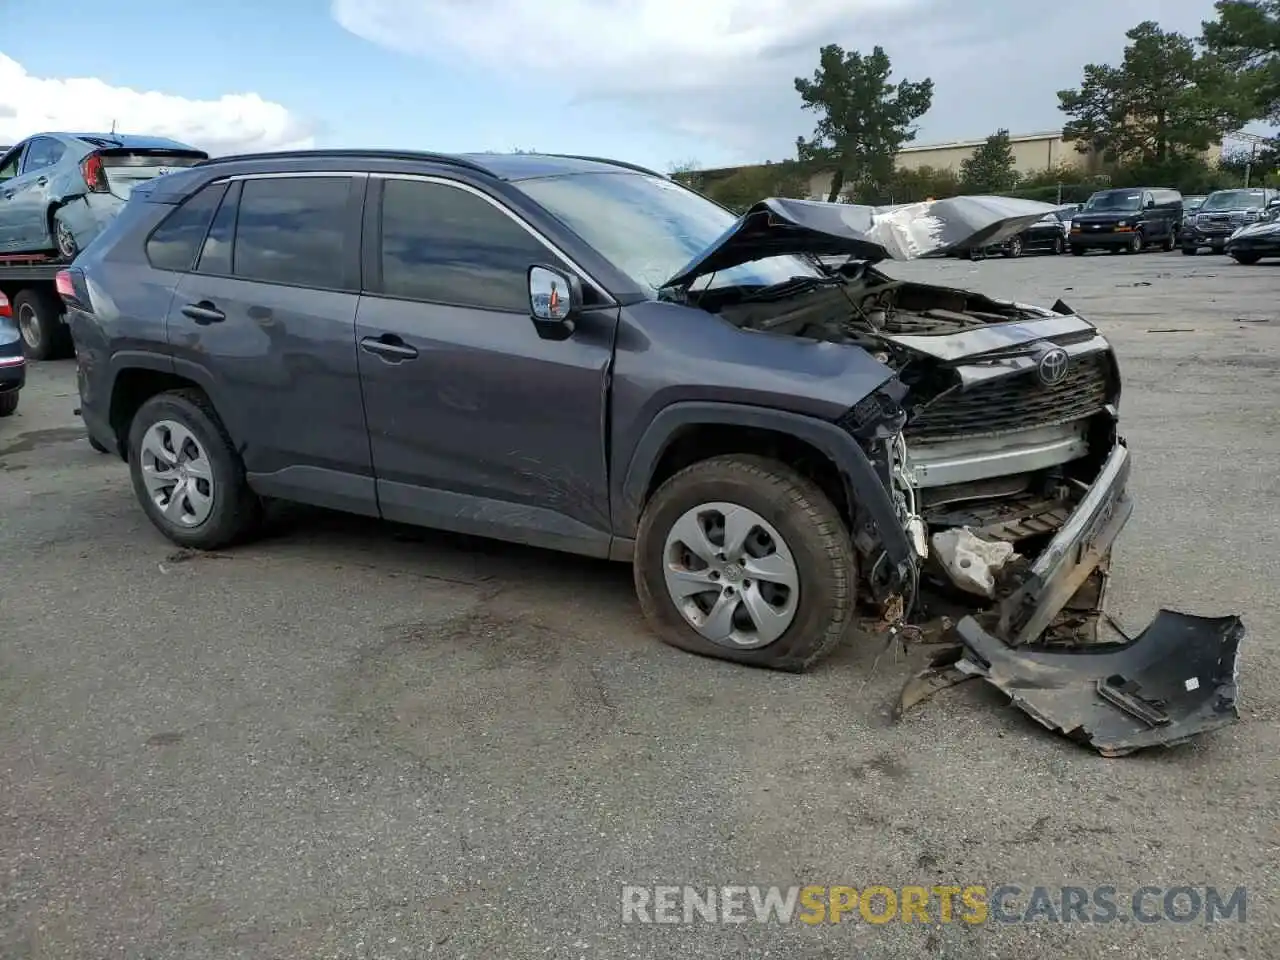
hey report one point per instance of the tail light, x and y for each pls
(95, 177)
(70, 287)
(6, 308)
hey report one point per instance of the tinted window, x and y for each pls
(215, 258)
(446, 245)
(42, 153)
(293, 230)
(174, 244)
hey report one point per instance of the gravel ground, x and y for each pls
(354, 740)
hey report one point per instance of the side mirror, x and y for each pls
(555, 299)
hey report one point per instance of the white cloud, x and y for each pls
(610, 47)
(723, 70)
(234, 122)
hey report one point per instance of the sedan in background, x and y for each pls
(58, 190)
(1260, 239)
(1047, 235)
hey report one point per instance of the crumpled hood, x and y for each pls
(776, 227)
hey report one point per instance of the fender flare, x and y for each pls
(862, 485)
(161, 363)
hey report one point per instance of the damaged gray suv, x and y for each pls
(583, 355)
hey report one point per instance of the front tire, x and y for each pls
(1136, 244)
(1248, 259)
(9, 403)
(741, 558)
(1014, 249)
(1190, 251)
(1058, 244)
(187, 474)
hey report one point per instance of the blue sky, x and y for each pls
(652, 81)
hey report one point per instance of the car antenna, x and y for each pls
(113, 128)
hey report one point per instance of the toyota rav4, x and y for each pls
(579, 354)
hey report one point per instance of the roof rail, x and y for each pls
(349, 154)
(616, 163)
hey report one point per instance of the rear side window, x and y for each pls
(293, 230)
(43, 152)
(173, 245)
(215, 258)
(445, 245)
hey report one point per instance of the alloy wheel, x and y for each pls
(731, 575)
(29, 327)
(177, 473)
(66, 242)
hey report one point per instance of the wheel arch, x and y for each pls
(686, 432)
(139, 376)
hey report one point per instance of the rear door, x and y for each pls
(10, 168)
(31, 197)
(267, 317)
(477, 423)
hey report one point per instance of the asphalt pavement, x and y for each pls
(356, 740)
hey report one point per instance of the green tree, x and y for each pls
(990, 168)
(688, 173)
(748, 185)
(1165, 100)
(1245, 39)
(863, 119)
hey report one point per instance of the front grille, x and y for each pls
(1020, 402)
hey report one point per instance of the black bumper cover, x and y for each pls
(1174, 680)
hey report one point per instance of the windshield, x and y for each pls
(1234, 200)
(1104, 202)
(1193, 203)
(649, 227)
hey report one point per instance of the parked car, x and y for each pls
(1128, 219)
(1191, 205)
(1252, 242)
(587, 356)
(1046, 235)
(1222, 213)
(13, 364)
(58, 190)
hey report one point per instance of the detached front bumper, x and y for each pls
(1174, 680)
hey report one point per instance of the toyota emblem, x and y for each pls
(1053, 366)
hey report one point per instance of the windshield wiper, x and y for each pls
(790, 287)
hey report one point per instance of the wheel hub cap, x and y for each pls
(177, 473)
(731, 575)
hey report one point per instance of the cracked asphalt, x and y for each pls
(354, 740)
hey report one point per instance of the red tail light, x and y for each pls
(65, 286)
(95, 177)
(6, 309)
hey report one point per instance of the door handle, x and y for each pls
(203, 313)
(389, 347)
(42, 181)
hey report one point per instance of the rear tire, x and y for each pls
(1170, 242)
(200, 499)
(810, 535)
(1190, 251)
(64, 240)
(1076, 250)
(39, 318)
(1248, 259)
(9, 403)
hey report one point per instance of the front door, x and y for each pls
(477, 423)
(269, 314)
